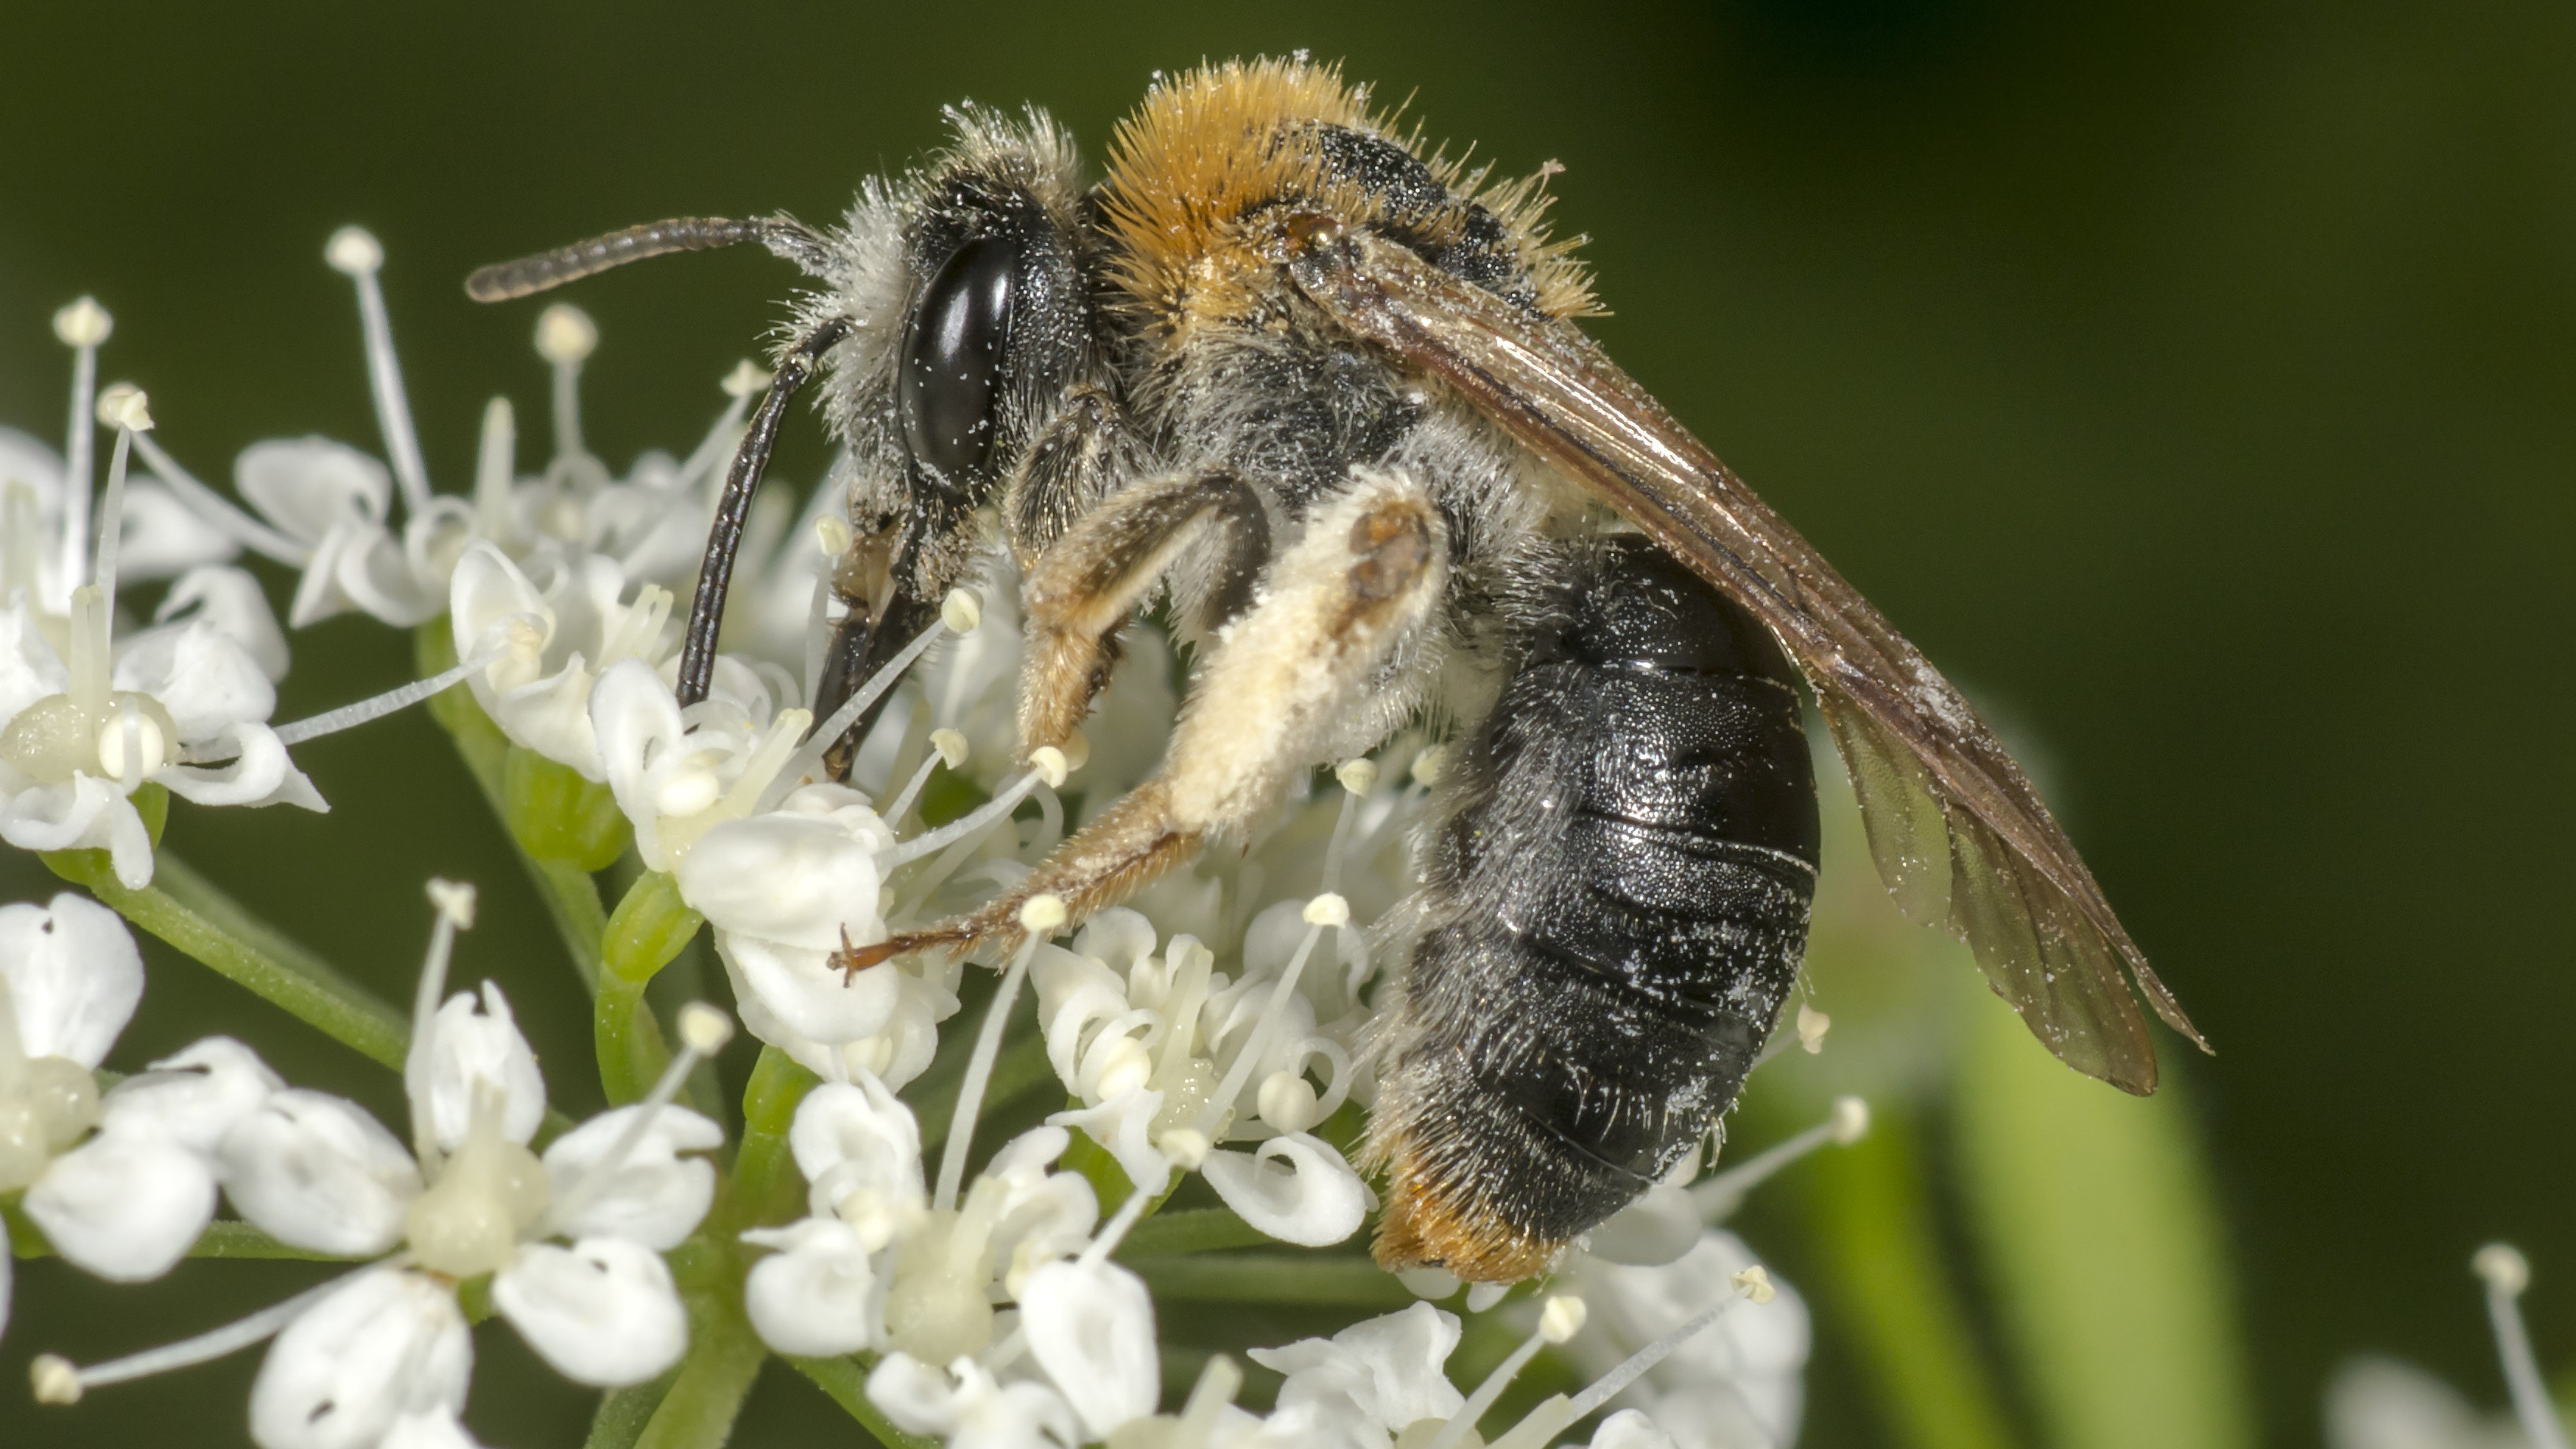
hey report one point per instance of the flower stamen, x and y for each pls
(1039, 918)
(2506, 1273)
(354, 252)
(1846, 1124)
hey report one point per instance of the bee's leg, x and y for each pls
(1282, 681)
(1087, 585)
(1084, 455)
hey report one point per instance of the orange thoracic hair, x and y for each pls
(1210, 147)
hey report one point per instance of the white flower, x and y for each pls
(381, 1345)
(79, 734)
(1736, 1382)
(966, 1406)
(540, 695)
(127, 1203)
(359, 1359)
(333, 502)
(317, 1172)
(1091, 1327)
(1373, 1378)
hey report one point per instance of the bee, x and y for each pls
(1324, 391)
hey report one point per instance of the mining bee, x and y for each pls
(1323, 393)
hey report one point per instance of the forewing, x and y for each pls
(1960, 836)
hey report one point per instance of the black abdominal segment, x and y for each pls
(1626, 887)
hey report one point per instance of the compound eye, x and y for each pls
(952, 359)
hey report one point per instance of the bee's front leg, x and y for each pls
(1280, 687)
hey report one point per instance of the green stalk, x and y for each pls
(1191, 1230)
(624, 1413)
(571, 897)
(1272, 1278)
(724, 1354)
(650, 928)
(843, 1383)
(2102, 1234)
(213, 929)
(1871, 1213)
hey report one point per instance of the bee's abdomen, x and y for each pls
(1620, 905)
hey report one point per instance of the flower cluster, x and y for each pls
(1208, 1046)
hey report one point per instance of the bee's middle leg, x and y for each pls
(1092, 578)
(1280, 686)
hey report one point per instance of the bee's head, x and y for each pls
(965, 288)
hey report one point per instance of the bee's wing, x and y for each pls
(1961, 838)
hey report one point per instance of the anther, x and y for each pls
(565, 334)
(1849, 1121)
(55, 1380)
(2503, 1267)
(1328, 909)
(1357, 776)
(747, 377)
(1430, 765)
(705, 1029)
(455, 902)
(1077, 749)
(123, 405)
(1043, 913)
(1754, 1284)
(1812, 1026)
(951, 747)
(1050, 765)
(961, 611)
(83, 324)
(832, 535)
(355, 251)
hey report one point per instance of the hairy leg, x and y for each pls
(1281, 683)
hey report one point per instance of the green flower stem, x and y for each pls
(841, 1380)
(222, 1239)
(624, 1413)
(1192, 1230)
(651, 926)
(2103, 1237)
(724, 1354)
(1020, 1068)
(1870, 1209)
(211, 928)
(1330, 1280)
(571, 897)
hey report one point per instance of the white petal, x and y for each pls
(803, 990)
(1630, 1429)
(29, 668)
(202, 676)
(259, 773)
(162, 536)
(73, 976)
(795, 879)
(656, 1197)
(918, 1398)
(817, 1296)
(232, 601)
(83, 813)
(552, 717)
(315, 1171)
(1661, 1225)
(636, 719)
(437, 1429)
(1091, 1328)
(306, 485)
(1316, 1203)
(485, 593)
(1124, 1125)
(373, 570)
(856, 1137)
(603, 1311)
(389, 1343)
(193, 1096)
(1387, 1369)
(125, 1205)
(471, 1049)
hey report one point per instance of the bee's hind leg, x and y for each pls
(1326, 641)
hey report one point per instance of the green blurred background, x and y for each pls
(2191, 380)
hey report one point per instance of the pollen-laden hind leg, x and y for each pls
(1092, 579)
(1334, 615)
